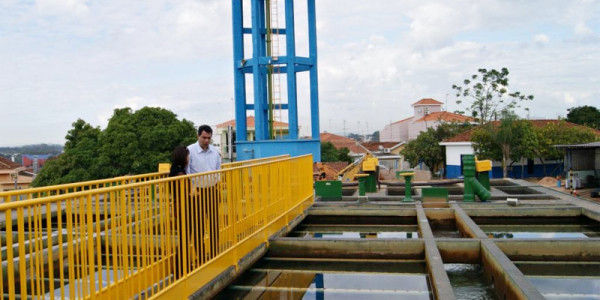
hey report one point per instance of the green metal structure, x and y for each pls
(471, 185)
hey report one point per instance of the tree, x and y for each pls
(486, 95)
(78, 160)
(356, 137)
(584, 115)
(330, 154)
(375, 136)
(132, 143)
(508, 141)
(426, 147)
(559, 133)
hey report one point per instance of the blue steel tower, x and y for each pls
(265, 66)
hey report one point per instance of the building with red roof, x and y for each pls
(11, 172)
(459, 145)
(339, 142)
(427, 113)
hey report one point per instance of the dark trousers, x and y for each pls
(210, 198)
(196, 219)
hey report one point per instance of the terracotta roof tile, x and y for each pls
(463, 137)
(427, 101)
(7, 164)
(445, 116)
(339, 142)
(374, 146)
(403, 120)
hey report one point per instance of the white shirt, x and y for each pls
(203, 160)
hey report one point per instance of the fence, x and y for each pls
(53, 190)
(160, 239)
(32, 193)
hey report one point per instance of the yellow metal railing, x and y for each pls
(252, 161)
(53, 190)
(102, 183)
(160, 239)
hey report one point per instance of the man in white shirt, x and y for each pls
(204, 157)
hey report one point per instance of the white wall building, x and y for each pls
(427, 113)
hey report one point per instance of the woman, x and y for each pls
(179, 161)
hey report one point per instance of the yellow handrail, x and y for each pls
(252, 161)
(159, 239)
(76, 187)
(101, 183)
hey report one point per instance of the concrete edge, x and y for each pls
(505, 276)
(442, 288)
(464, 222)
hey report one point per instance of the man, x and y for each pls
(204, 157)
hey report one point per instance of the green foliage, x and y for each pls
(132, 143)
(509, 141)
(330, 154)
(584, 115)
(513, 139)
(559, 134)
(486, 95)
(77, 162)
(426, 147)
(375, 136)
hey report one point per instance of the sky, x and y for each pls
(63, 60)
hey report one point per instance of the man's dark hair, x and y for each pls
(204, 128)
(179, 156)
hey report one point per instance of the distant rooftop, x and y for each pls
(427, 101)
(445, 116)
(7, 164)
(342, 142)
(249, 123)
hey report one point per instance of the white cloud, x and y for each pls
(582, 30)
(541, 39)
(433, 25)
(63, 60)
(569, 99)
(58, 7)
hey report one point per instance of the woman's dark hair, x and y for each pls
(179, 156)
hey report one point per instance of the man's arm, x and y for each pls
(188, 168)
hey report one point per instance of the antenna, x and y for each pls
(446, 105)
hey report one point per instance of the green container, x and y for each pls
(362, 182)
(434, 193)
(371, 183)
(484, 179)
(329, 189)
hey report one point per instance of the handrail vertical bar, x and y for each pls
(10, 256)
(21, 236)
(90, 245)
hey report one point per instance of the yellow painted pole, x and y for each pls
(22, 254)
(10, 256)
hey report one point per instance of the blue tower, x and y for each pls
(266, 66)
